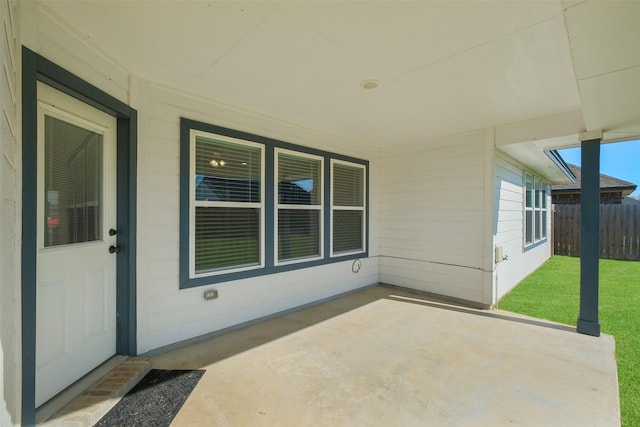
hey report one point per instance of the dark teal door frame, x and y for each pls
(37, 68)
(588, 322)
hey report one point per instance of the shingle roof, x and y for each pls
(607, 183)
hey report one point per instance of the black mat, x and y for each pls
(154, 401)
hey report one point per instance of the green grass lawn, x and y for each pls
(552, 292)
(220, 252)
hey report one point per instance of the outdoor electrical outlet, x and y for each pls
(211, 294)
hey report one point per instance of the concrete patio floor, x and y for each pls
(387, 357)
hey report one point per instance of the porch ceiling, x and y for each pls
(443, 67)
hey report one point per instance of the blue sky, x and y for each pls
(620, 160)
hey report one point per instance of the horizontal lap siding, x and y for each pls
(509, 195)
(431, 208)
(168, 315)
(9, 213)
(246, 300)
(509, 227)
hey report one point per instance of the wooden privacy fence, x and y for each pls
(619, 231)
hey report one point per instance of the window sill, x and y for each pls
(535, 245)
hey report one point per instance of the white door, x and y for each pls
(76, 273)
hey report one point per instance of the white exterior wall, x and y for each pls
(509, 226)
(10, 355)
(166, 314)
(435, 220)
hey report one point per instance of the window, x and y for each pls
(528, 214)
(542, 211)
(227, 210)
(535, 217)
(347, 208)
(298, 206)
(252, 206)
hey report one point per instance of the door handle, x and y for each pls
(114, 249)
(113, 232)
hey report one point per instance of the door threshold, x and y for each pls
(91, 397)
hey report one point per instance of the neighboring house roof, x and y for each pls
(607, 183)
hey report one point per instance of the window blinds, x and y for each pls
(299, 206)
(73, 183)
(348, 208)
(228, 204)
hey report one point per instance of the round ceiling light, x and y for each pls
(370, 84)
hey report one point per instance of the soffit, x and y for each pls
(532, 155)
(444, 67)
(604, 43)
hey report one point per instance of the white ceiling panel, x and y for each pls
(524, 75)
(187, 36)
(604, 38)
(444, 67)
(604, 42)
(612, 101)
(398, 37)
(421, 128)
(381, 119)
(288, 61)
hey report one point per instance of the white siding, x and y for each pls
(10, 359)
(167, 314)
(433, 220)
(509, 228)
(433, 217)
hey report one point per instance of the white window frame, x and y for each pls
(541, 191)
(278, 206)
(193, 203)
(363, 208)
(539, 198)
(189, 131)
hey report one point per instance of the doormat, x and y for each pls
(155, 400)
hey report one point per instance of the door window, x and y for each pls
(73, 158)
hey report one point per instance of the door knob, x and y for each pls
(113, 232)
(114, 249)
